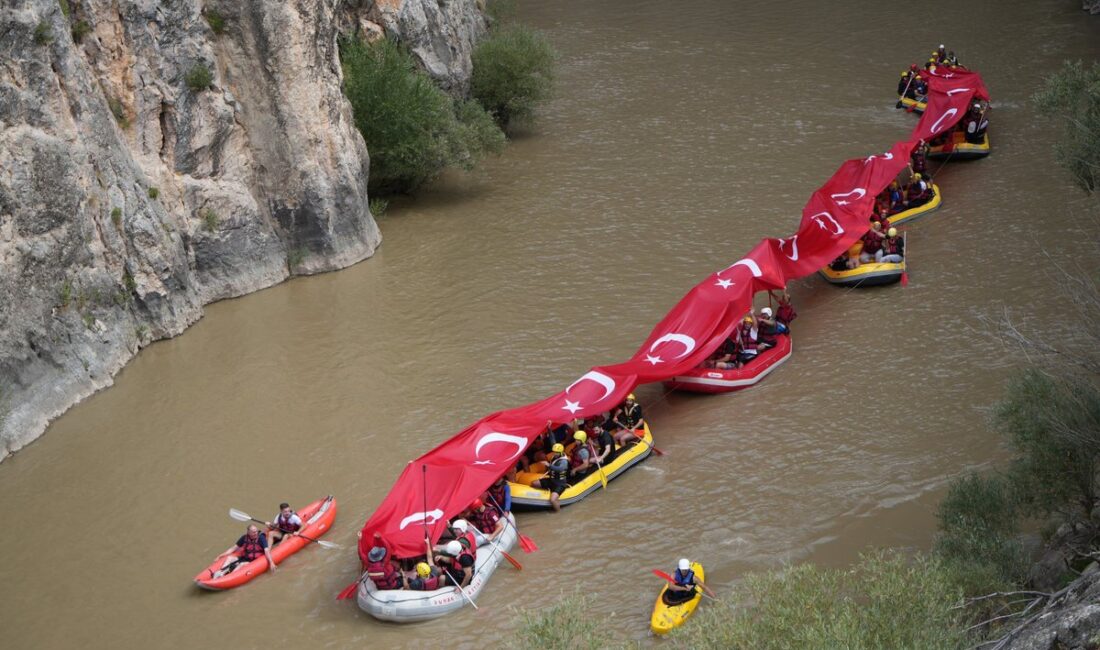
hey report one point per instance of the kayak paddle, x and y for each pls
(526, 543)
(244, 516)
(706, 590)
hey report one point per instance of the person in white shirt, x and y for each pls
(287, 522)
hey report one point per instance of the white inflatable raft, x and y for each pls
(407, 606)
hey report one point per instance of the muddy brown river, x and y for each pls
(681, 133)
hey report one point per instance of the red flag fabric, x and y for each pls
(441, 483)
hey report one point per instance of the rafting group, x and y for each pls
(573, 458)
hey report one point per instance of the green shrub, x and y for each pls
(65, 9)
(295, 257)
(378, 207)
(513, 70)
(119, 111)
(43, 35)
(66, 293)
(210, 220)
(1054, 426)
(116, 216)
(80, 29)
(978, 533)
(153, 192)
(566, 624)
(128, 281)
(477, 132)
(886, 601)
(410, 126)
(1073, 96)
(199, 78)
(215, 20)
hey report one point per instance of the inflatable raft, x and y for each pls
(408, 606)
(666, 617)
(910, 103)
(867, 275)
(960, 149)
(317, 518)
(713, 380)
(525, 496)
(920, 210)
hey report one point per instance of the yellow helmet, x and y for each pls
(748, 319)
(423, 570)
(917, 176)
(630, 397)
(580, 436)
(558, 448)
(893, 232)
(905, 74)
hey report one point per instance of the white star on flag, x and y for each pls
(572, 407)
(654, 360)
(724, 283)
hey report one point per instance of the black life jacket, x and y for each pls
(558, 469)
(631, 416)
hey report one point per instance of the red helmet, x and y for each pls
(476, 504)
(912, 66)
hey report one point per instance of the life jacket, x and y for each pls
(558, 470)
(871, 243)
(684, 579)
(915, 191)
(388, 578)
(919, 162)
(431, 583)
(575, 456)
(768, 333)
(487, 519)
(786, 313)
(469, 543)
(891, 246)
(748, 338)
(631, 416)
(285, 525)
(496, 496)
(251, 549)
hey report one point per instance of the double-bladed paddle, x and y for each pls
(244, 516)
(706, 590)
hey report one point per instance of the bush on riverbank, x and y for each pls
(413, 129)
(1073, 96)
(979, 537)
(513, 72)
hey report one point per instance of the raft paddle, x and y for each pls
(603, 477)
(244, 516)
(905, 246)
(350, 590)
(911, 75)
(526, 543)
(514, 562)
(642, 438)
(706, 590)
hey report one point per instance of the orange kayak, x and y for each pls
(317, 518)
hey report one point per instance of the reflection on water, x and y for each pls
(681, 134)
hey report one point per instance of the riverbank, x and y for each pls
(161, 158)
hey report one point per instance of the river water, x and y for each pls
(680, 134)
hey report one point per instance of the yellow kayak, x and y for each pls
(666, 617)
(523, 495)
(920, 210)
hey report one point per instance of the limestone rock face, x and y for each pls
(1070, 622)
(132, 193)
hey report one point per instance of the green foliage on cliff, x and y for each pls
(513, 72)
(413, 130)
(215, 20)
(199, 78)
(43, 34)
(978, 533)
(1072, 95)
(80, 29)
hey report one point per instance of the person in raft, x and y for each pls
(785, 313)
(685, 584)
(605, 445)
(500, 496)
(251, 546)
(918, 193)
(872, 242)
(769, 329)
(628, 417)
(486, 519)
(557, 475)
(975, 124)
(457, 563)
(428, 576)
(380, 565)
(287, 522)
(749, 338)
(582, 458)
(893, 248)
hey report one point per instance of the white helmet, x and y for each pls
(766, 312)
(453, 548)
(683, 565)
(460, 525)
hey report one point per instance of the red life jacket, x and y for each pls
(388, 578)
(430, 583)
(786, 313)
(497, 494)
(487, 520)
(915, 191)
(470, 545)
(871, 242)
(251, 549)
(891, 246)
(575, 457)
(285, 525)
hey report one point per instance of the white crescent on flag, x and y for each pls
(494, 436)
(603, 380)
(682, 339)
(948, 113)
(417, 517)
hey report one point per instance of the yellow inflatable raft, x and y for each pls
(908, 102)
(961, 149)
(920, 210)
(524, 495)
(666, 617)
(866, 275)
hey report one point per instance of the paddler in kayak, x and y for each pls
(685, 584)
(628, 417)
(557, 475)
(252, 545)
(287, 522)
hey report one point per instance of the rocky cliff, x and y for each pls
(158, 155)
